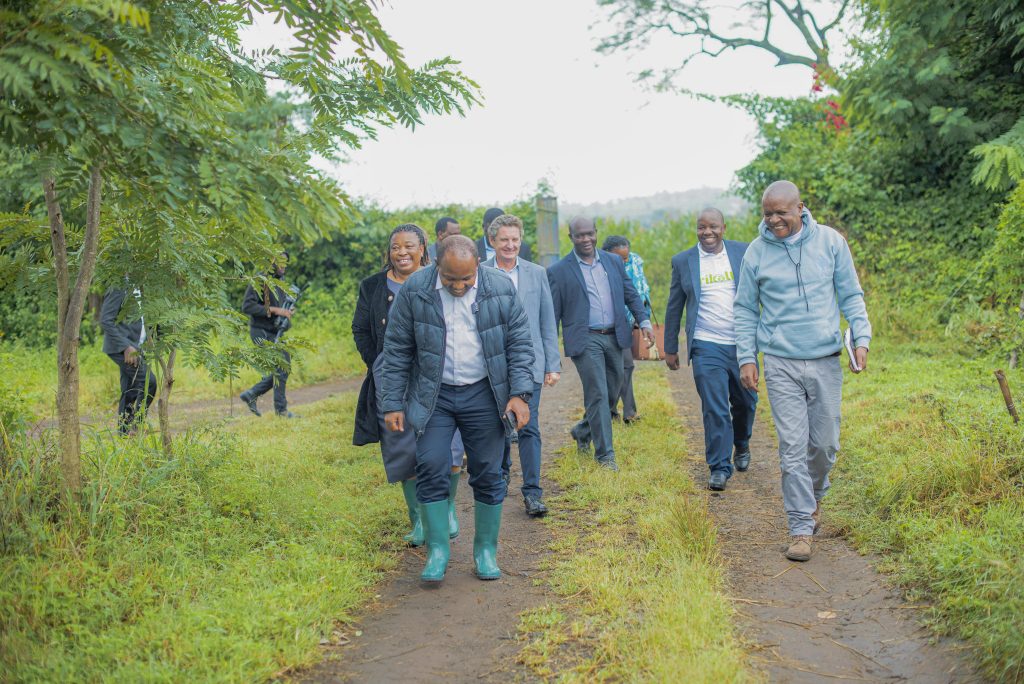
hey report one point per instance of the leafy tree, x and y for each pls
(948, 81)
(156, 129)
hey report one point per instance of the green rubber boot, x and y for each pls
(453, 520)
(435, 526)
(485, 541)
(415, 537)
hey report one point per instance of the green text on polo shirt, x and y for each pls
(712, 278)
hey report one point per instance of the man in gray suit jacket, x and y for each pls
(122, 342)
(704, 280)
(505, 234)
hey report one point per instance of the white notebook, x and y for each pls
(848, 341)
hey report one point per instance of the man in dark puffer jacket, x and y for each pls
(458, 354)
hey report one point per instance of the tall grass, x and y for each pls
(635, 565)
(229, 562)
(931, 476)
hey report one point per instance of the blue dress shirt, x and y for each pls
(599, 292)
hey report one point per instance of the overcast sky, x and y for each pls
(554, 108)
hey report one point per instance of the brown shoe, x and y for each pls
(799, 548)
(816, 516)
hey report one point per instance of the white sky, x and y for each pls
(554, 108)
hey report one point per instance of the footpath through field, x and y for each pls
(196, 413)
(463, 630)
(831, 618)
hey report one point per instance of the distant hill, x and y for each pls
(661, 206)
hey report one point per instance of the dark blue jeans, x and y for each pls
(529, 449)
(278, 380)
(138, 387)
(471, 409)
(727, 406)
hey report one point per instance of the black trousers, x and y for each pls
(278, 379)
(137, 383)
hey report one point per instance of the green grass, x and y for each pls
(634, 564)
(229, 562)
(931, 476)
(34, 371)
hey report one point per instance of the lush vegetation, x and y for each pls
(931, 476)
(144, 145)
(635, 562)
(914, 149)
(229, 561)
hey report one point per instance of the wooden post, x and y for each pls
(547, 231)
(1005, 387)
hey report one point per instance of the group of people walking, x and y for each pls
(460, 338)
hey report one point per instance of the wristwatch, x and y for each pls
(526, 396)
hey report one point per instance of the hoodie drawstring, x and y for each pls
(799, 278)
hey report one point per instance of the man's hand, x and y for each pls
(278, 311)
(521, 409)
(551, 379)
(395, 421)
(649, 336)
(131, 356)
(861, 354)
(748, 376)
(672, 361)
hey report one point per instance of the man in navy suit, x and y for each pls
(704, 280)
(590, 292)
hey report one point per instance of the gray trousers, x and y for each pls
(600, 370)
(805, 396)
(626, 393)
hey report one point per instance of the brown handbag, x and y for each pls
(641, 352)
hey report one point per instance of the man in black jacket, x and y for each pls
(122, 342)
(268, 318)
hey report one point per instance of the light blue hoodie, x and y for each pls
(790, 294)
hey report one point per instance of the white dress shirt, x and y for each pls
(463, 349)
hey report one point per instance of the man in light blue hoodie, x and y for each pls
(796, 278)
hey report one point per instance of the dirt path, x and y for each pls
(832, 618)
(211, 410)
(464, 630)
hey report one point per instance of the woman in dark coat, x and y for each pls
(407, 253)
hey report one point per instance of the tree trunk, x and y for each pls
(164, 400)
(70, 305)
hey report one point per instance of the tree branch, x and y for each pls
(796, 17)
(90, 248)
(640, 19)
